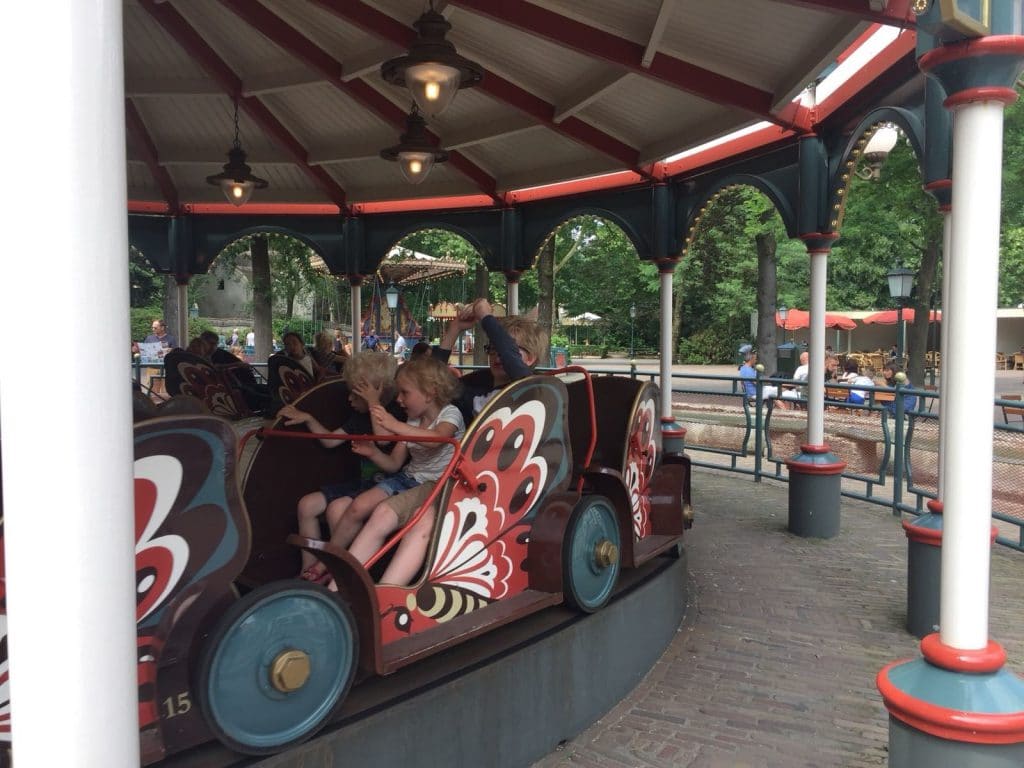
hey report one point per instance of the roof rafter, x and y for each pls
(380, 24)
(137, 129)
(897, 12)
(192, 42)
(599, 44)
(275, 29)
(657, 32)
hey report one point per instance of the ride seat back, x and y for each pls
(614, 400)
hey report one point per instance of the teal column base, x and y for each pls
(673, 435)
(815, 477)
(953, 708)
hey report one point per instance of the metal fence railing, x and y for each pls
(890, 443)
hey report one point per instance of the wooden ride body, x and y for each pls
(513, 504)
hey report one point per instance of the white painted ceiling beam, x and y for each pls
(664, 14)
(274, 82)
(368, 62)
(477, 134)
(142, 87)
(587, 94)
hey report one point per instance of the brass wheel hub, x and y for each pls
(606, 553)
(289, 671)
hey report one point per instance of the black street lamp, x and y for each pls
(901, 283)
(632, 323)
(391, 294)
(783, 315)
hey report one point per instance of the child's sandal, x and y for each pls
(316, 573)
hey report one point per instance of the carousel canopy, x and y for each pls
(568, 90)
(405, 267)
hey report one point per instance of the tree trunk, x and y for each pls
(481, 283)
(289, 305)
(261, 297)
(917, 332)
(546, 284)
(766, 292)
(171, 307)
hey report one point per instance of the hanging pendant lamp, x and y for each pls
(432, 70)
(415, 153)
(236, 180)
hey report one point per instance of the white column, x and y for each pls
(357, 310)
(68, 489)
(512, 289)
(816, 349)
(181, 296)
(665, 279)
(971, 329)
(947, 229)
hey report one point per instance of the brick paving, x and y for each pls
(774, 665)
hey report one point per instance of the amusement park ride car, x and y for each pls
(554, 487)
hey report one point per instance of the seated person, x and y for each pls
(515, 345)
(864, 378)
(371, 381)
(331, 361)
(748, 375)
(425, 389)
(296, 350)
(800, 374)
(890, 371)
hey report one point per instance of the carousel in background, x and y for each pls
(392, 305)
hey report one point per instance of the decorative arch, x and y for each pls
(400, 234)
(535, 240)
(908, 122)
(306, 240)
(779, 199)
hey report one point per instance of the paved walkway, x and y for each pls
(775, 663)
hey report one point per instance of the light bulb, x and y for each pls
(432, 91)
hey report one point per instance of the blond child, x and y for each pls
(425, 389)
(515, 345)
(371, 381)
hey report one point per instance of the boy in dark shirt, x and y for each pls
(515, 345)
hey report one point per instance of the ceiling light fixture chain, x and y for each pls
(236, 179)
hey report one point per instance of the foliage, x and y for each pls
(717, 279)
(706, 346)
(142, 320)
(888, 221)
(146, 285)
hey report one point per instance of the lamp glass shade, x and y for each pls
(901, 282)
(632, 311)
(783, 312)
(432, 85)
(415, 165)
(391, 294)
(882, 141)
(237, 192)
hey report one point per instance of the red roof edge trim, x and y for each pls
(886, 58)
(577, 186)
(754, 140)
(420, 204)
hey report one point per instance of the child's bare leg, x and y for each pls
(383, 521)
(411, 551)
(310, 507)
(350, 523)
(335, 513)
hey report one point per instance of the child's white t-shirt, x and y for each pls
(428, 460)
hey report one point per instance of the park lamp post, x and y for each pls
(391, 294)
(901, 283)
(632, 323)
(783, 315)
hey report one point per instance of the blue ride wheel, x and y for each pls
(590, 554)
(277, 666)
